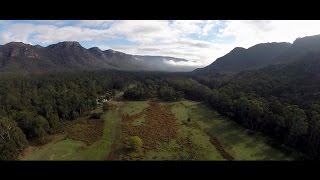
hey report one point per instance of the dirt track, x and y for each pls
(220, 148)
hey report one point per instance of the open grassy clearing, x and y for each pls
(157, 125)
(191, 143)
(182, 130)
(69, 149)
(206, 124)
(61, 150)
(235, 139)
(134, 107)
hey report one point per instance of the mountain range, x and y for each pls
(70, 55)
(262, 55)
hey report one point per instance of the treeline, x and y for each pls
(33, 106)
(281, 101)
(154, 87)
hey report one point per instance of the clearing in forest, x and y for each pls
(183, 130)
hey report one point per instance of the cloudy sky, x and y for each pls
(200, 42)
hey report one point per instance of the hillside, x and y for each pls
(71, 56)
(240, 59)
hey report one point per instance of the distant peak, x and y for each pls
(112, 51)
(95, 49)
(307, 38)
(270, 44)
(38, 46)
(16, 44)
(70, 42)
(66, 44)
(237, 49)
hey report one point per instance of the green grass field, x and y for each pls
(61, 150)
(204, 123)
(201, 148)
(69, 149)
(233, 137)
(134, 107)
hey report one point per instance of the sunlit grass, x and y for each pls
(76, 150)
(203, 123)
(134, 107)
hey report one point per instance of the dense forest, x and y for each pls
(280, 101)
(33, 106)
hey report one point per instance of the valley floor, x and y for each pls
(183, 130)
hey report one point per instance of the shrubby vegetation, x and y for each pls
(136, 143)
(96, 115)
(153, 88)
(12, 139)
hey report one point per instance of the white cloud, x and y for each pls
(17, 32)
(3, 22)
(44, 34)
(184, 63)
(208, 26)
(95, 23)
(249, 33)
(144, 32)
(187, 26)
(202, 52)
(53, 22)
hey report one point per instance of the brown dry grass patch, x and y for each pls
(88, 131)
(159, 126)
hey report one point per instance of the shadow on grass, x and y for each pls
(270, 154)
(233, 135)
